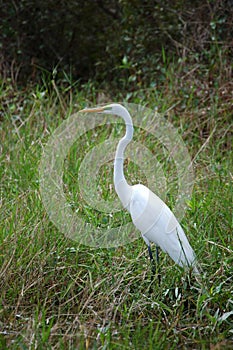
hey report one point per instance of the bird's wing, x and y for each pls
(158, 224)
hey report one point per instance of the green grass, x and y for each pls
(59, 294)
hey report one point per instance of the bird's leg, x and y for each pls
(153, 268)
(151, 259)
(157, 255)
(158, 267)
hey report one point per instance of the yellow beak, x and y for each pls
(92, 110)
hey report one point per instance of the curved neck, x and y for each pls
(122, 188)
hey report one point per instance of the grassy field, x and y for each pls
(59, 294)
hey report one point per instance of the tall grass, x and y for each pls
(58, 294)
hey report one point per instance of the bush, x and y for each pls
(109, 40)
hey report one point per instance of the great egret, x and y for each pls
(149, 213)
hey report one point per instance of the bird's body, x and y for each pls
(158, 224)
(150, 215)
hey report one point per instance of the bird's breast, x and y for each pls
(145, 208)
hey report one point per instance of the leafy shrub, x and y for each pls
(106, 40)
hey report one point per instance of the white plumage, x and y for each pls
(150, 215)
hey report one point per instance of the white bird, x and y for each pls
(149, 213)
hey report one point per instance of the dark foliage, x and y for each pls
(108, 39)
